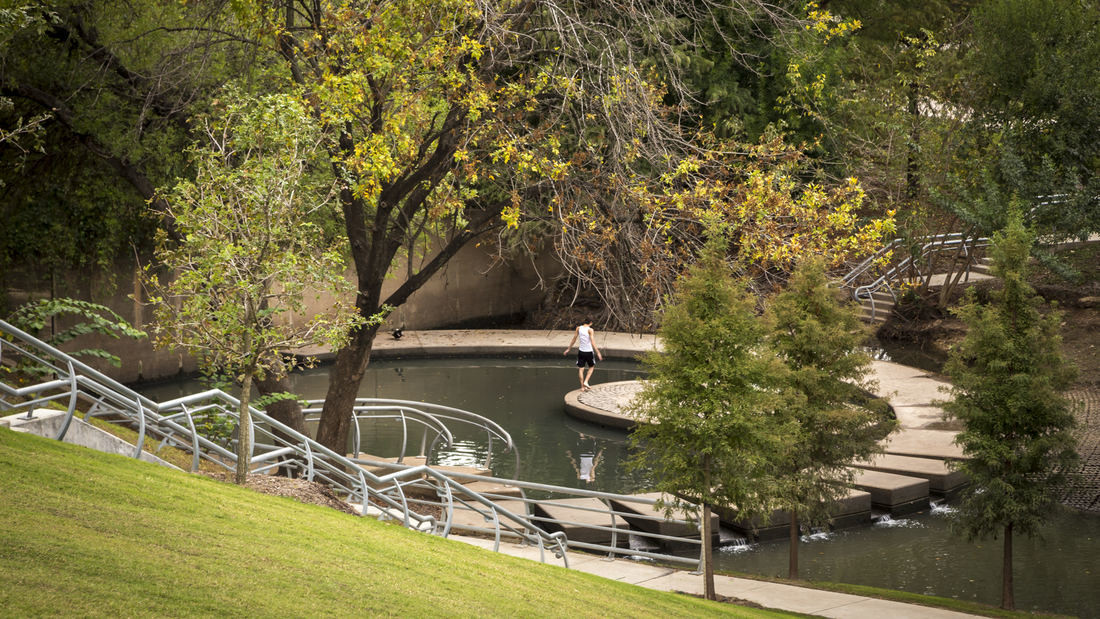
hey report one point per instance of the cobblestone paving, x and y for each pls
(610, 396)
(1085, 494)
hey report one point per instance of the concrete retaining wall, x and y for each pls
(470, 288)
(47, 423)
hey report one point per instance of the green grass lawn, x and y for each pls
(87, 533)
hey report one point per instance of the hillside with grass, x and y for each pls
(92, 534)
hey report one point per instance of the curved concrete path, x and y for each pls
(911, 392)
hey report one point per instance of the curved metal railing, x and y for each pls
(34, 375)
(173, 422)
(432, 419)
(929, 246)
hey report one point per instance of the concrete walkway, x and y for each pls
(909, 390)
(767, 594)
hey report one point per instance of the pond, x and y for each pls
(525, 396)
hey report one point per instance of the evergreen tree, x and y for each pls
(709, 433)
(1009, 375)
(820, 340)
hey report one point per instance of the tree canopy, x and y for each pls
(820, 340)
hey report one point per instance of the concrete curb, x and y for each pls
(593, 414)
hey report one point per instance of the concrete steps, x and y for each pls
(492, 490)
(480, 521)
(853, 509)
(982, 267)
(652, 520)
(889, 492)
(942, 481)
(883, 307)
(577, 517)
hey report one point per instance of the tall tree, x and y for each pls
(451, 119)
(1008, 378)
(250, 249)
(709, 431)
(820, 339)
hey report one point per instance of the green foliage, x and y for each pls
(250, 249)
(215, 426)
(1031, 79)
(91, 319)
(820, 339)
(23, 133)
(709, 426)
(1008, 378)
(118, 83)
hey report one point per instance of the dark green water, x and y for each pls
(1060, 573)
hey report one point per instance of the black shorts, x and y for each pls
(586, 357)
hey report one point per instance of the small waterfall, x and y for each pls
(732, 541)
(940, 508)
(819, 535)
(888, 521)
(735, 545)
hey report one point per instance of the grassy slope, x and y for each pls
(87, 533)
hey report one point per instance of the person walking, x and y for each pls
(587, 351)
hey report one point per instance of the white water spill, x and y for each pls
(940, 508)
(887, 521)
(817, 536)
(735, 547)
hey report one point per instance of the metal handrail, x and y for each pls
(137, 409)
(277, 445)
(932, 244)
(366, 408)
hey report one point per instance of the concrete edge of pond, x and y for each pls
(495, 342)
(599, 405)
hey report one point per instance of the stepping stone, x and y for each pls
(854, 508)
(897, 494)
(417, 461)
(941, 479)
(577, 517)
(648, 518)
(924, 444)
(493, 490)
(777, 526)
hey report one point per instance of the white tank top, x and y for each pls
(584, 338)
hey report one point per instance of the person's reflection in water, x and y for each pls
(589, 460)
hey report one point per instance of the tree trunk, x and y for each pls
(912, 164)
(708, 546)
(792, 562)
(343, 388)
(1007, 600)
(287, 412)
(244, 433)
